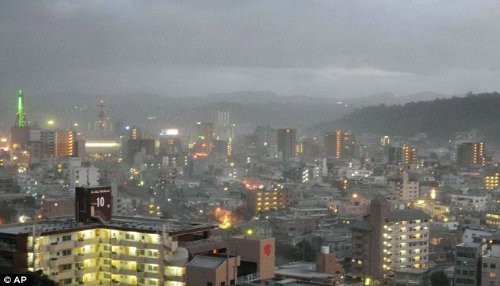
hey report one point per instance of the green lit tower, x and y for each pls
(20, 115)
(20, 132)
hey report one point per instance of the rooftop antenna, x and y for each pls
(101, 118)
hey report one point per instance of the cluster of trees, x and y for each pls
(9, 208)
(439, 118)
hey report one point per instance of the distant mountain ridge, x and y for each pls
(439, 118)
(246, 108)
(392, 99)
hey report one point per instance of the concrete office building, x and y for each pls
(287, 143)
(467, 263)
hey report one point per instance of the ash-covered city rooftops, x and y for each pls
(305, 271)
(469, 244)
(211, 261)
(203, 261)
(409, 270)
(361, 224)
(293, 217)
(493, 251)
(196, 247)
(147, 225)
(408, 214)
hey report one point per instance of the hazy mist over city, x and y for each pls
(337, 49)
(224, 143)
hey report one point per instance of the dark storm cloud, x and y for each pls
(343, 48)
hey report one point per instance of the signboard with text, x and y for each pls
(93, 203)
(100, 203)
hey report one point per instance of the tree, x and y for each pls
(8, 212)
(439, 278)
(40, 279)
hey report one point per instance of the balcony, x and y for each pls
(124, 242)
(83, 256)
(154, 275)
(65, 275)
(114, 256)
(105, 268)
(128, 257)
(56, 261)
(58, 246)
(80, 272)
(125, 271)
(146, 259)
(177, 278)
(90, 241)
(92, 269)
(150, 245)
(136, 243)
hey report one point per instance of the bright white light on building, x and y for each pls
(102, 144)
(170, 132)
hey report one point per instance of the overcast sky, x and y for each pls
(317, 48)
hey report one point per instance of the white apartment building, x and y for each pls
(406, 240)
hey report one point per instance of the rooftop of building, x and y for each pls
(494, 251)
(469, 244)
(139, 224)
(302, 270)
(285, 281)
(361, 224)
(211, 261)
(411, 270)
(308, 208)
(294, 217)
(407, 214)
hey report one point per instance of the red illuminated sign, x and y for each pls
(267, 249)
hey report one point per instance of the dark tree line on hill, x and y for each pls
(440, 118)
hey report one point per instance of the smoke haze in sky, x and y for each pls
(185, 48)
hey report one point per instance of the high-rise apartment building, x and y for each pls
(470, 154)
(96, 249)
(204, 132)
(41, 144)
(135, 133)
(409, 189)
(405, 155)
(170, 142)
(265, 139)
(287, 143)
(65, 144)
(388, 240)
(263, 199)
(308, 148)
(339, 144)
